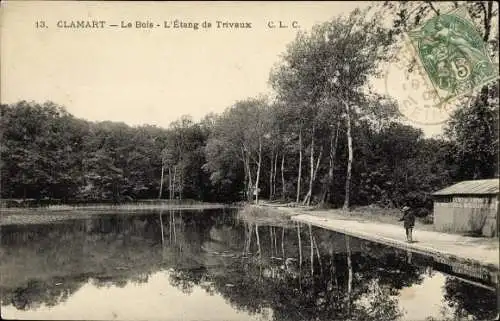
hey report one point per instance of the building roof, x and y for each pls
(476, 187)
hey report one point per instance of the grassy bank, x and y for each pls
(360, 214)
(54, 203)
(122, 207)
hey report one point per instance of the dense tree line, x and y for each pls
(323, 138)
(48, 153)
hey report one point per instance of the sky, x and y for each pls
(155, 300)
(150, 75)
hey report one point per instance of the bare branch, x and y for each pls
(436, 11)
(414, 9)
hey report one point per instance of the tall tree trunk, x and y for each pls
(174, 182)
(328, 187)
(245, 170)
(307, 199)
(274, 173)
(259, 163)
(283, 186)
(170, 184)
(300, 165)
(250, 182)
(317, 164)
(350, 160)
(245, 182)
(271, 177)
(181, 182)
(161, 180)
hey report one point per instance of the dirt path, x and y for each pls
(480, 250)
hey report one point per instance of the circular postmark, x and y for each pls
(418, 101)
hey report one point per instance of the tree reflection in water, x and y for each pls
(36, 293)
(297, 272)
(466, 299)
(323, 292)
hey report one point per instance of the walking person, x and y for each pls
(409, 222)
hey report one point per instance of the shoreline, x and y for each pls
(471, 256)
(103, 207)
(462, 255)
(40, 215)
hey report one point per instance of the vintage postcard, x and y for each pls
(249, 160)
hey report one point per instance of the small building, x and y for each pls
(468, 207)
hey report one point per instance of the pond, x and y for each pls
(216, 265)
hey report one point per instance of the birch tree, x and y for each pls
(330, 68)
(240, 134)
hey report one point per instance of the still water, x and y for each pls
(216, 265)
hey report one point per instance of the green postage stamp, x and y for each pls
(453, 54)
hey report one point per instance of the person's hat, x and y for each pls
(405, 209)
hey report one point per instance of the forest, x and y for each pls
(324, 137)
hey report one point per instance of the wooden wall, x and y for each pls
(467, 214)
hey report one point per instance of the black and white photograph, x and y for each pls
(249, 160)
